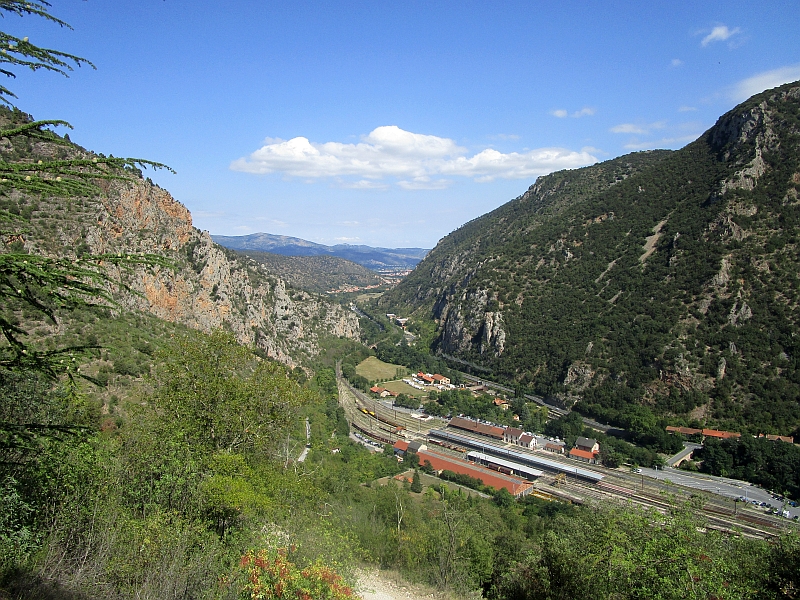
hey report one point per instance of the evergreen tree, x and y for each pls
(43, 285)
(416, 483)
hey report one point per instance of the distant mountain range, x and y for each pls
(367, 256)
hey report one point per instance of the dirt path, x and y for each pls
(374, 584)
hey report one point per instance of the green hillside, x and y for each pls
(659, 280)
(315, 273)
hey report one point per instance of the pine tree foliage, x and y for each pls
(20, 52)
(41, 285)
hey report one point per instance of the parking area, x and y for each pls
(757, 498)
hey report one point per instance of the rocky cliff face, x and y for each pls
(209, 287)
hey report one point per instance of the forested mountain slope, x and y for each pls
(659, 279)
(207, 287)
(315, 273)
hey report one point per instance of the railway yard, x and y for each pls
(561, 479)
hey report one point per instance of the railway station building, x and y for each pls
(516, 486)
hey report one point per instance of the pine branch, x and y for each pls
(20, 52)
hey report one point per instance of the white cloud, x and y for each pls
(592, 150)
(637, 128)
(504, 136)
(663, 142)
(561, 113)
(687, 109)
(584, 112)
(414, 160)
(764, 81)
(362, 184)
(424, 183)
(720, 33)
(628, 128)
(676, 62)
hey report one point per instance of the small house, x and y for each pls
(554, 447)
(587, 445)
(584, 455)
(526, 440)
(417, 447)
(511, 435)
(501, 403)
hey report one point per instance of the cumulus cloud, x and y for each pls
(363, 184)
(720, 33)
(637, 128)
(504, 136)
(584, 112)
(424, 183)
(561, 113)
(764, 81)
(676, 62)
(414, 160)
(628, 128)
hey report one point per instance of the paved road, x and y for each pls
(723, 486)
(304, 453)
(688, 448)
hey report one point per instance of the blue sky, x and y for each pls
(393, 123)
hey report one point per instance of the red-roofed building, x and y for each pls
(780, 438)
(526, 440)
(491, 431)
(440, 462)
(377, 390)
(476, 427)
(501, 403)
(584, 455)
(441, 379)
(552, 447)
(400, 447)
(723, 435)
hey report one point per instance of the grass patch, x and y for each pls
(368, 296)
(374, 369)
(403, 388)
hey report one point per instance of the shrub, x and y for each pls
(272, 575)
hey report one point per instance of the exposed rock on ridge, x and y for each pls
(659, 262)
(209, 287)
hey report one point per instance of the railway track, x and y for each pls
(717, 517)
(381, 423)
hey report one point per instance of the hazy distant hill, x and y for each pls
(367, 256)
(658, 281)
(315, 273)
